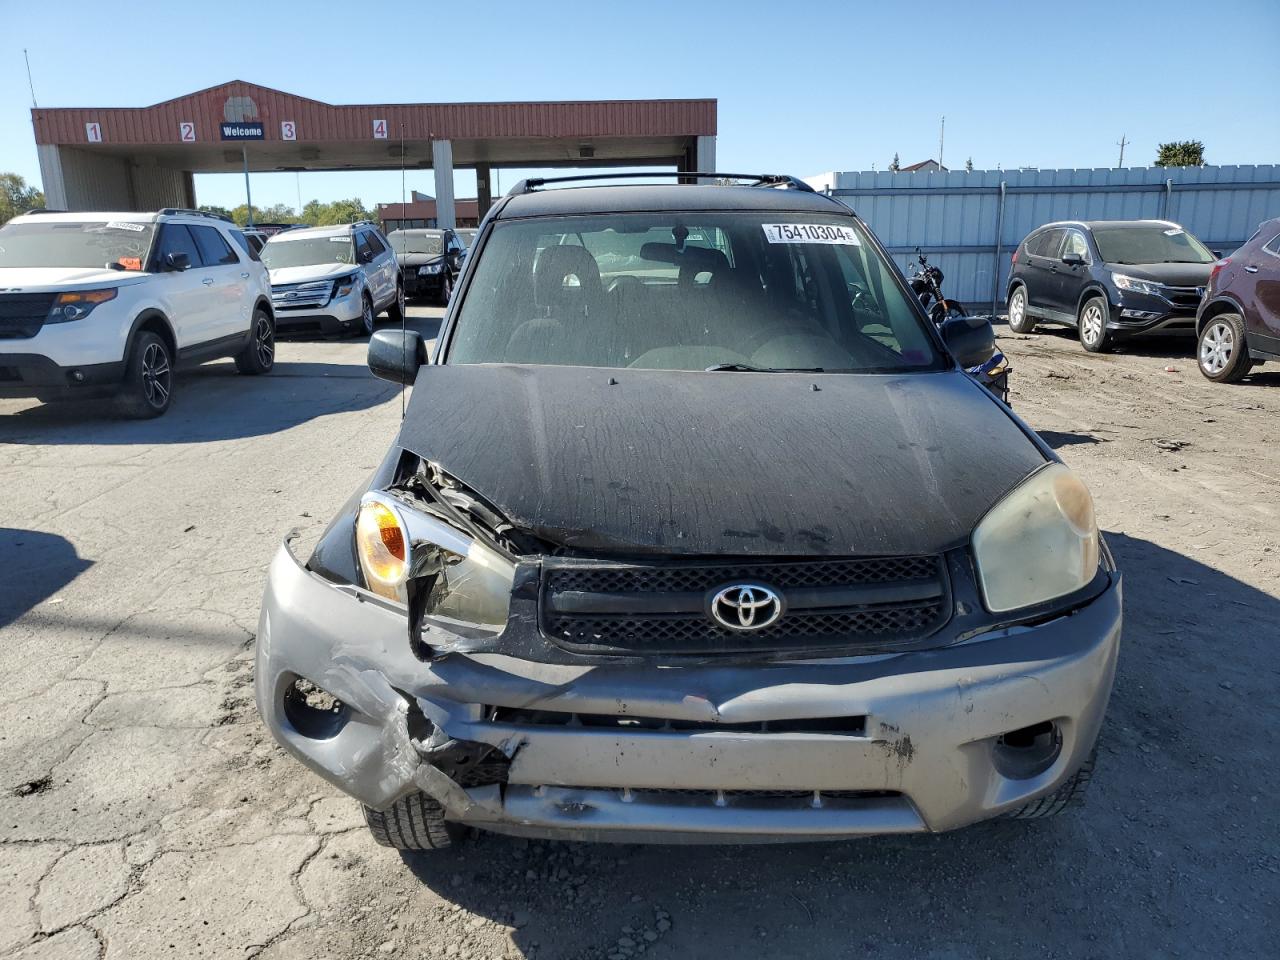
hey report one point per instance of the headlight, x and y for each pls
(464, 579)
(1137, 286)
(344, 285)
(430, 269)
(78, 305)
(1039, 543)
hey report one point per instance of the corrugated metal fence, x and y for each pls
(970, 223)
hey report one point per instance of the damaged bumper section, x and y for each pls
(914, 740)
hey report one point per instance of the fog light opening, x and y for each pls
(1028, 751)
(313, 711)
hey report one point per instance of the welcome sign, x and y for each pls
(241, 130)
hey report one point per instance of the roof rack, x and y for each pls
(185, 212)
(756, 179)
(41, 210)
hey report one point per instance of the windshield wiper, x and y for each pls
(748, 368)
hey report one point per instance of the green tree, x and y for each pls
(895, 165)
(968, 165)
(1180, 153)
(214, 208)
(16, 197)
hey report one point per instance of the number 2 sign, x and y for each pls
(187, 131)
(288, 131)
(379, 129)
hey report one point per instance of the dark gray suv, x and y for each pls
(687, 535)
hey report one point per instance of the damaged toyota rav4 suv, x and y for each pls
(695, 530)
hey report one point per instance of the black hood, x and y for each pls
(417, 259)
(1171, 274)
(697, 463)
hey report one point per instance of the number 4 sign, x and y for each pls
(379, 129)
(187, 131)
(288, 131)
(93, 132)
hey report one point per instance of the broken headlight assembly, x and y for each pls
(1037, 544)
(412, 557)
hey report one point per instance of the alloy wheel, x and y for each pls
(1216, 347)
(155, 375)
(1091, 323)
(366, 316)
(265, 341)
(1017, 308)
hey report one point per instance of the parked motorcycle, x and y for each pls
(926, 284)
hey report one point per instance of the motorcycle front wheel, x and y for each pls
(945, 310)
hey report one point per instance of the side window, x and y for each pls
(1048, 244)
(245, 244)
(1273, 247)
(364, 252)
(176, 238)
(375, 243)
(214, 251)
(1076, 243)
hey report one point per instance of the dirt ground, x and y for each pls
(145, 813)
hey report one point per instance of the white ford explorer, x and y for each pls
(108, 304)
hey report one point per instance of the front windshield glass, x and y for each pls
(102, 244)
(424, 243)
(688, 291)
(467, 236)
(1153, 244)
(307, 251)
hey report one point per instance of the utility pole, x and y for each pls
(942, 134)
(1120, 143)
(248, 198)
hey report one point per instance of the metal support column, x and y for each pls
(1168, 199)
(484, 191)
(995, 260)
(248, 198)
(442, 166)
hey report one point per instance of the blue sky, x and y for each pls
(802, 87)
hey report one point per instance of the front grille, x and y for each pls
(850, 726)
(23, 314)
(301, 296)
(664, 609)
(1185, 297)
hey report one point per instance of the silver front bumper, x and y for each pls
(923, 759)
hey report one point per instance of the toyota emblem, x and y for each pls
(745, 606)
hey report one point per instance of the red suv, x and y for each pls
(1238, 323)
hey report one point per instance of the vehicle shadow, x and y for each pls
(211, 402)
(1059, 439)
(1193, 713)
(36, 566)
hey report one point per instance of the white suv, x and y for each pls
(95, 304)
(333, 280)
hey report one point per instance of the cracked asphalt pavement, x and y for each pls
(144, 811)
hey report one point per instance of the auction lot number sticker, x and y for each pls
(810, 233)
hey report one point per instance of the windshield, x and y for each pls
(466, 236)
(1154, 244)
(677, 291)
(102, 244)
(307, 251)
(428, 243)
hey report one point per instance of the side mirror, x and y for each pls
(971, 340)
(177, 261)
(1072, 259)
(396, 355)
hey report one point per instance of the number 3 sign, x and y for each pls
(288, 131)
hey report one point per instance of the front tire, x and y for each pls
(1067, 797)
(446, 290)
(415, 822)
(1019, 321)
(1221, 350)
(366, 316)
(1091, 326)
(396, 311)
(259, 355)
(148, 379)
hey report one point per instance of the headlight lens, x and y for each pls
(465, 580)
(1125, 282)
(1039, 543)
(78, 305)
(343, 286)
(429, 269)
